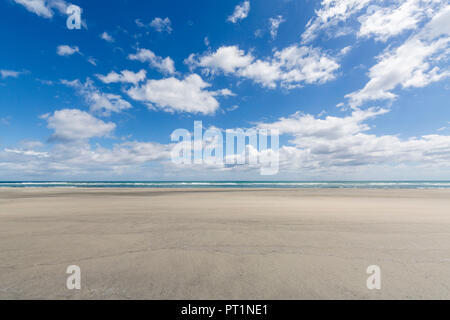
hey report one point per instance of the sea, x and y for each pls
(231, 184)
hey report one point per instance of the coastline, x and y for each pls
(229, 184)
(224, 243)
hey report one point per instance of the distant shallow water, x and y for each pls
(230, 184)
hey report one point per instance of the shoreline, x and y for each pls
(432, 184)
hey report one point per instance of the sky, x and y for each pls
(358, 90)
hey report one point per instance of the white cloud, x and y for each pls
(132, 153)
(139, 23)
(74, 124)
(10, 74)
(331, 13)
(291, 67)
(331, 127)
(258, 33)
(31, 153)
(274, 25)
(385, 22)
(92, 61)
(345, 50)
(44, 8)
(305, 64)
(103, 103)
(165, 65)
(232, 108)
(415, 63)
(225, 59)
(328, 147)
(171, 94)
(343, 142)
(241, 12)
(125, 76)
(78, 159)
(265, 73)
(65, 50)
(381, 20)
(107, 37)
(161, 25)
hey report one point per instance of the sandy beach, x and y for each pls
(224, 244)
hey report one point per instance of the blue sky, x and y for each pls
(358, 89)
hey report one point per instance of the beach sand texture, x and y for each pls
(224, 244)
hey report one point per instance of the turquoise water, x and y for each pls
(231, 184)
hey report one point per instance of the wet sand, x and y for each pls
(224, 243)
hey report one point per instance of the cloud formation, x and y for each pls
(385, 22)
(98, 102)
(290, 67)
(161, 25)
(330, 15)
(343, 142)
(10, 74)
(44, 8)
(274, 25)
(415, 63)
(241, 12)
(125, 76)
(107, 37)
(318, 145)
(74, 124)
(164, 65)
(173, 95)
(65, 50)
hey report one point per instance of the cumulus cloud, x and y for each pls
(71, 153)
(161, 25)
(265, 73)
(329, 146)
(47, 8)
(330, 128)
(164, 65)
(79, 159)
(291, 67)
(99, 102)
(65, 50)
(125, 76)
(305, 64)
(74, 124)
(107, 37)
(274, 25)
(241, 12)
(226, 59)
(344, 142)
(415, 63)
(330, 15)
(44, 8)
(173, 95)
(376, 19)
(345, 50)
(385, 22)
(133, 152)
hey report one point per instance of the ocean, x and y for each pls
(231, 184)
